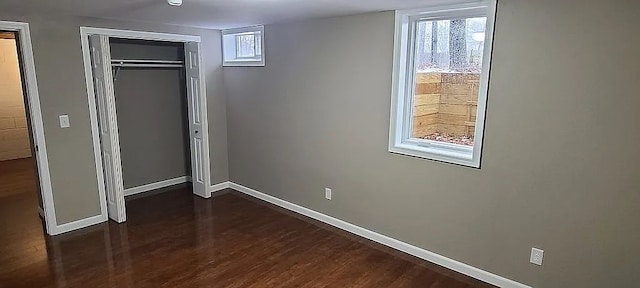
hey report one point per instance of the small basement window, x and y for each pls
(243, 46)
(441, 74)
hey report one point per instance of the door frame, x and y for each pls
(85, 32)
(32, 96)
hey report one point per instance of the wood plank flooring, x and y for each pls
(17, 177)
(174, 239)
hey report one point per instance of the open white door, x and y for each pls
(198, 128)
(108, 125)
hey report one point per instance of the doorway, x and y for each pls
(20, 196)
(22, 37)
(102, 69)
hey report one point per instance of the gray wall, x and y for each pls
(60, 73)
(152, 114)
(152, 124)
(560, 159)
(145, 50)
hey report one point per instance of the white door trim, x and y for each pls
(37, 124)
(141, 35)
(93, 114)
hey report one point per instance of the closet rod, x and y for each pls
(147, 65)
(128, 61)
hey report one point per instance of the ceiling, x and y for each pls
(218, 14)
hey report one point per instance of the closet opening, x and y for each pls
(20, 193)
(151, 105)
(150, 114)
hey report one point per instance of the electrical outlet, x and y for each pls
(327, 193)
(536, 256)
(64, 121)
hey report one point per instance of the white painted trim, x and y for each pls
(141, 35)
(220, 187)
(385, 240)
(41, 212)
(166, 183)
(243, 30)
(400, 141)
(259, 63)
(483, 96)
(245, 62)
(93, 115)
(37, 123)
(95, 133)
(82, 223)
(156, 185)
(108, 122)
(198, 120)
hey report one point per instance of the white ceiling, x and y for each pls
(217, 14)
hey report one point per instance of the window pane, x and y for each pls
(448, 63)
(243, 46)
(258, 44)
(246, 46)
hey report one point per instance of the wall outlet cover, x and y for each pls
(64, 121)
(536, 256)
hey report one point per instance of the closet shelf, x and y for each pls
(146, 63)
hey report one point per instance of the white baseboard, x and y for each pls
(432, 257)
(443, 261)
(83, 223)
(220, 187)
(156, 185)
(75, 225)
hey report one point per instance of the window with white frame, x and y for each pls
(243, 46)
(441, 74)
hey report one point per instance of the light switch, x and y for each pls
(64, 121)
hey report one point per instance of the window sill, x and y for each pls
(243, 63)
(443, 152)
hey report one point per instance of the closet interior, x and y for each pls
(150, 90)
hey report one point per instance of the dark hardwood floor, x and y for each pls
(174, 239)
(17, 177)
